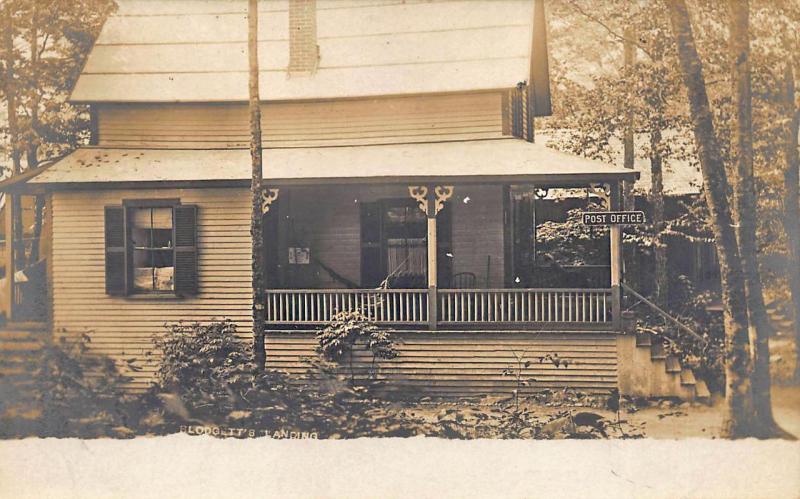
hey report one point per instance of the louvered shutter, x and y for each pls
(185, 221)
(116, 261)
(372, 266)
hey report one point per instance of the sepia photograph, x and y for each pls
(231, 230)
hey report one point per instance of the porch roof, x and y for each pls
(478, 161)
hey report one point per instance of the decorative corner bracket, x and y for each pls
(420, 195)
(268, 196)
(443, 193)
(603, 191)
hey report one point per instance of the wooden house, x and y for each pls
(394, 137)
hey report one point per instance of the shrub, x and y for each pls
(80, 393)
(348, 330)
(208, 366)
(206, 375)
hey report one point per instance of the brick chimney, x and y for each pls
(303, 48)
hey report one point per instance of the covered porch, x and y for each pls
(439, 236)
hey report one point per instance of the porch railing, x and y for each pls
(314, 306)
(524, 305)
(454, 306)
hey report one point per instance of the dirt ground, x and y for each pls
(661, 420)
(701, 421)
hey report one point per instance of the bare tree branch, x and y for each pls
(577, 8)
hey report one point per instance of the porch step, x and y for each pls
(20, 380)
(644, 340)
(8, 371)
(657, 351)
(16, 335)
(673, 365)
(687, 377)
(701, 390)
(25, 326)
(20, 346)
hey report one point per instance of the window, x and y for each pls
(151, 248)
(393, 243)
(405, 229)
(153, 255)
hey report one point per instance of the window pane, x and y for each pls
(161, 238)
(153, 256)
(143, 272)
(156, 218)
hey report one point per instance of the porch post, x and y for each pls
(8, 306)
(616, 260)
(432, 268)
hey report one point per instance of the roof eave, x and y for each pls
(560, 181)
(18, 184)
(72, 100)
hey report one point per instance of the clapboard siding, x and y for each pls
(478, 233)
(386, 120)
(445, 363)
(122, 327)
(449, 363)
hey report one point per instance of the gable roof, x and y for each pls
(473, 161)
(196, 51)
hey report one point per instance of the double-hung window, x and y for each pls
(151, 248)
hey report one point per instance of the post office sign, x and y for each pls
(614, 218)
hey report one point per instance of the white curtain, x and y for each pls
(160, 218)
(407, 255)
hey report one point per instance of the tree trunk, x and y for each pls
(628, 145)
(256, 188)
(15, 237)
(33, 147)
(657, 207)
(629, 57)
(791, 207)
(746, 206)
(738, 416)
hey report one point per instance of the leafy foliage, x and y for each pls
(691, 308)
(206, 381)
(204, 364)
(346, 331)
(206, 376)
(80, 393)
(51, 39)
(572, 242)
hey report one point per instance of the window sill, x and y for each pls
(155, 297)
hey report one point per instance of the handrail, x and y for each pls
(440, 290)
(524, 305)
(313, 306)
(455, 306)
(538, 290)
(664, 313)
(347, 290)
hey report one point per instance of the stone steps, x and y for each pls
(20, 351)
(687, 377)
(658, 373)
